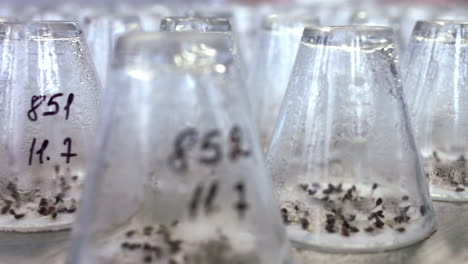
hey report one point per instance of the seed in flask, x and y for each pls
(401, 229)
(147, 230)
(344, 231)
(42, 210)
(174, 245)
(124, 245)
(148, 259)
(61, 209)
(379, 223)
(422, 210)
(304, 223)
(330, 228)
(284, 214)
(19, 216)
(379, 202)
(71, 209)
(5, 209)
(130, 233)
(11, 187)
(59, 198)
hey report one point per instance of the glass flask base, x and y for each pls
(36, 224)
(353, 218)
(444, 195)
(164, 244)
(37, 213)
(447, 175)
(301, 239)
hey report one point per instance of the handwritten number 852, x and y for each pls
(37, 100)
(211, 151)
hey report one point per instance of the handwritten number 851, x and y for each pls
(37, 100)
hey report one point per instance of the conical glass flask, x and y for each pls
(178, 153)
(50, 95)
(276, 50)
(435, 79)
(343, 156)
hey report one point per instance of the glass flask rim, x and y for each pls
(56, 29)
(219, 23)
(441, 30)
(349, 38)
(441, 22)
(356, 29)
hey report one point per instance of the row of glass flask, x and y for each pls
(104, 21)
(165, 164)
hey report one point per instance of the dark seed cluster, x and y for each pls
(347, 212)
(14, 203)
(56, 206)
(152, 251)
(452, 174)
(157, 244)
